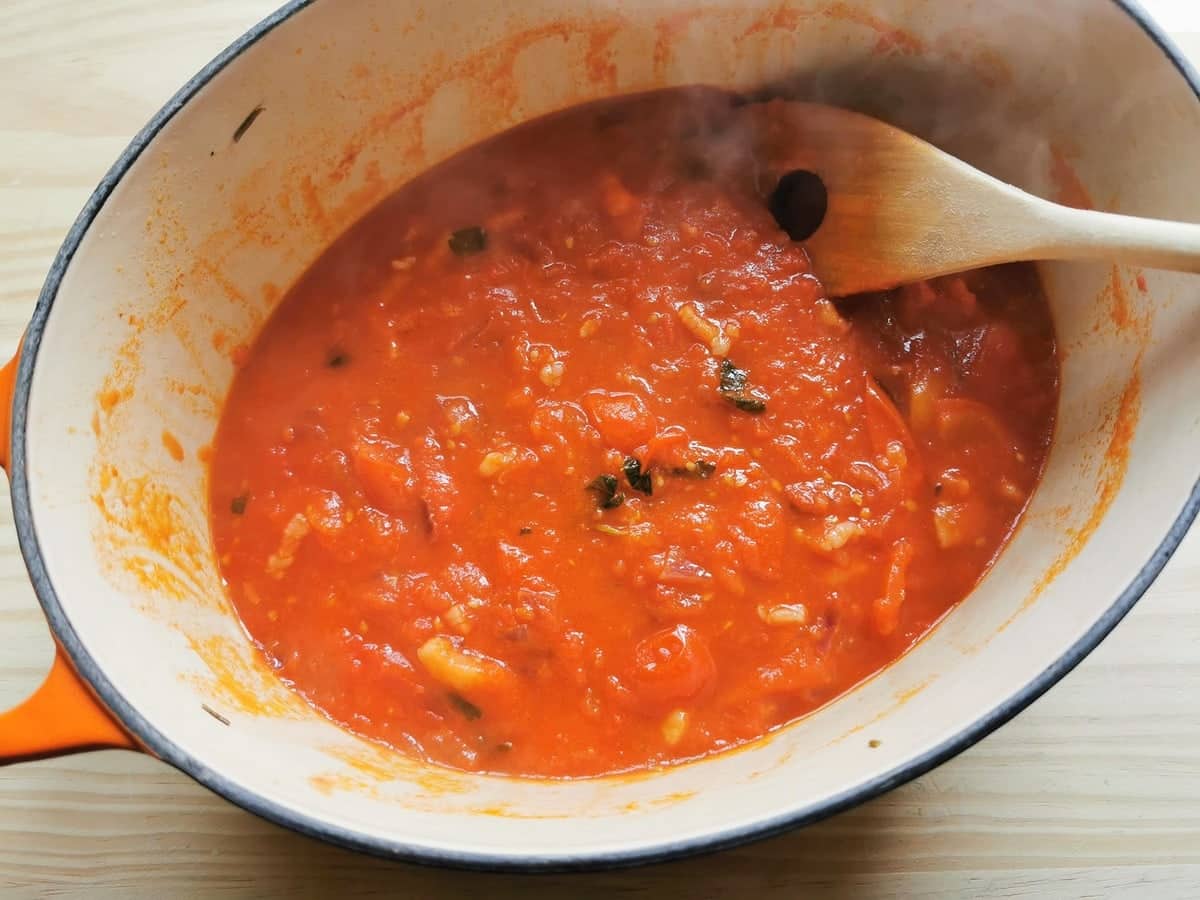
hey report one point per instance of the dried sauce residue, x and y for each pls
(601, 67)
(508, 811)
(671, 799)
(1068, 188)
(314, 207)
(151, 531)
(147, 534)
(899, 699)
(372, 767)
(668, 32)
(172, 445)
(1112, 475)
(781, 19)
(1120, 312)
(108, 399)
(240, 681)
(890, 37)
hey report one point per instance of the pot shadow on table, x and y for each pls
(837, 857)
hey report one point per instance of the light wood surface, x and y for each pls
(1093, 792)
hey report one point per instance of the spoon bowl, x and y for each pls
(877, 207)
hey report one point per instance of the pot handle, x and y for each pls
(62, 716)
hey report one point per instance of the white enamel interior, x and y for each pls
(202, 232)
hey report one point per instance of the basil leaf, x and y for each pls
(465, 706)
(734, 386)
(605, 489)
(638, 480)
(467, 241)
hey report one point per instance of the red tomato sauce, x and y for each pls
(560, 462)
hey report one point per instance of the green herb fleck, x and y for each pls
(705, 467)
(733, 379)
(638, 479)
(247, 122)
(465, 706)
(734, 386)
(873, 743)
(237, 505)
(605, 489)
(750, 404)
(467, 241)
(337, 359)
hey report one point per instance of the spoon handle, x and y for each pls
(1153, 243)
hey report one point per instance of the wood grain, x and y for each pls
(1093, 792)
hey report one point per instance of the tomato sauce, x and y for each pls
(561, 463)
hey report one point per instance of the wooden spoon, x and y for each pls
(877, 207)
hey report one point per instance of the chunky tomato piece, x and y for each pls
(672, 664)
(384, 470)
(621, 417)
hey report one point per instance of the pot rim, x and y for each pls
(165, 749)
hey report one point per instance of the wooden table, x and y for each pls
(1095, 791)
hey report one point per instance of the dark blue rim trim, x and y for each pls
(164, 748)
